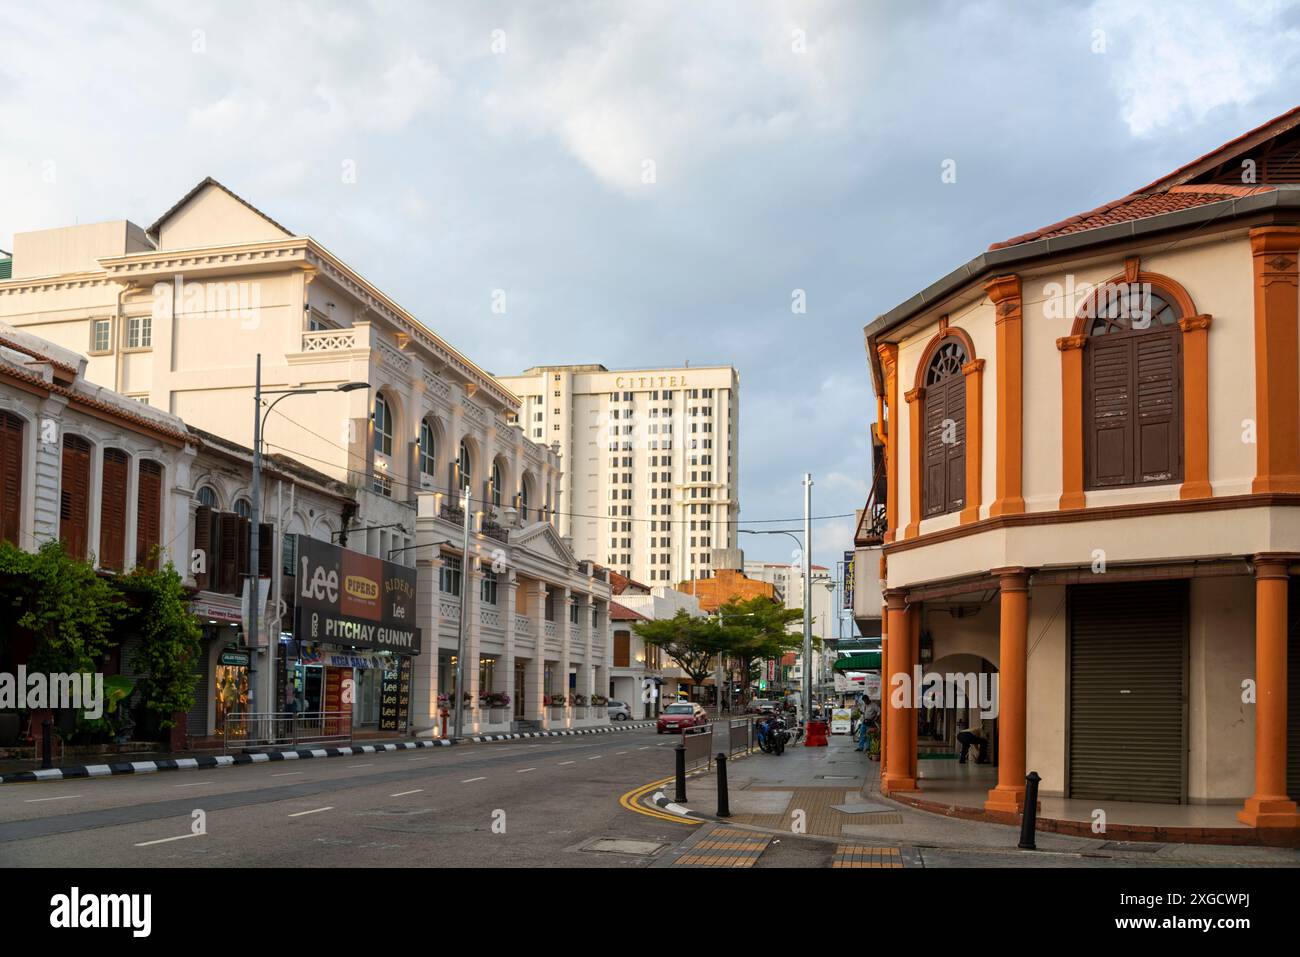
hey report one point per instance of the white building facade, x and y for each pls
(650, 486)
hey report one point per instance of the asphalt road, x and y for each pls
(518, 804)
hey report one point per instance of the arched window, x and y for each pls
(1133, 388)
(243, 508)
(466, 467)
(114, 479)
(207, 497)
(428, 452)
(496, 484)
(383, 426)
(11, 475)
(523, 500)
(944, 430)
(74, 496)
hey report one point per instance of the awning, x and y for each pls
(867, 661)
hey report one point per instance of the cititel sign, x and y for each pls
(347, 598)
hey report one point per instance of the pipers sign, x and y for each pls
(346, 598)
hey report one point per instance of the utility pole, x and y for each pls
(255, 545)
(807, 597)
(465, 579)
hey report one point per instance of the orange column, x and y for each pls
(884, 688)
(915, 454)
(1009, 795)
(1275, 251)
(913, 657)
(898, 775)
(1269, 806)
(1004, 292)
(1071, 420)
(1196, 407)
(974, 371)
(888, 353)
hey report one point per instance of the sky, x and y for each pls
(649, 183)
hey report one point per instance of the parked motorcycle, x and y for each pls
(772, 734)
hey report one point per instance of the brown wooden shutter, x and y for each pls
(229, 553)
(955, 457)
(1109, 405)
(203, 543)
(622, 649)
(265, 550)
(112, 509)
(935, 465)
(148, 519)
(11, 476)
(74, 496)
(1157, 408)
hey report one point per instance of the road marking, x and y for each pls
(563, 763)
(631, 801)
(164, 840)
(646, 748)
(194, 784)
(358, 765)
(61, 797)
(405, 793)
(617, 753)
(313, 811)
(472, 780)
(285, 774)
(595, 757)
(525, 770)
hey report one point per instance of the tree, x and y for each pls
(172, 640)
(63, 603)
(691, 642)
(760, 630)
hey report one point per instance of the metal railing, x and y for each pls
(699, 746)
(740, 736)
(253, 730)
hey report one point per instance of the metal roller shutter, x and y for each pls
(1293, 690)
(1128, 665)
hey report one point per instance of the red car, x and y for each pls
(681, 715)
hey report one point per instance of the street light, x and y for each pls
(255, 517)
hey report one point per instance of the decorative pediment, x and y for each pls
(542, 540)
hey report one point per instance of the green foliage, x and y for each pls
(69, 608)
(759, 629)
(171, 636)
(691, 642)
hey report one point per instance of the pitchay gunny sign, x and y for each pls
(347, 598)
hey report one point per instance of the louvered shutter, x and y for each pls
(11, 476)
(955, 457)
(148, 520)
(112, 509)
(1157, 410)
(265, 550)
(229, 553)
(936, 465)
(74, 496)
(203, 543)
(1109, 386)
(622, 649)
(1127, 692)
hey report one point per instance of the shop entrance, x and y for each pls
(232, 688)
(521, 678)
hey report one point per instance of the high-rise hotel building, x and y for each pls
(650, 462)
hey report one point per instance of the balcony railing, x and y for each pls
(492, 530)
(329, 340)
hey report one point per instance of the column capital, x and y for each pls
(1011, 578)
(1004, 292)
(1266, 240)
(914, 395)
(1273, 564)
(896, 599)
(1069, 343)
(974, 367)
(1195, 323)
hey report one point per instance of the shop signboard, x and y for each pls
(841, 720)
(395, 696)
(346, 598)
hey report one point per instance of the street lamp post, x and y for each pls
(255, 520)
(807, 597)
(465, 579)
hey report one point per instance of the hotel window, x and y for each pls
(101, 335)
(465, 467)
(944, 430)
(383, 426)
(488, 587)
(496, 484)
(139, 332)
(428, 452)
(449, 575)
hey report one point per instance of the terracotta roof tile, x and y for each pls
(619, 612)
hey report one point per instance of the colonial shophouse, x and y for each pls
(176, 315)
(1090, 447)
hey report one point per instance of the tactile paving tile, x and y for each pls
(725, 847)
(860, 855)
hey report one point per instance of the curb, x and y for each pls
(263, 757)
(660, 800)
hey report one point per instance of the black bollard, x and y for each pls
(681, 772)
(47, 732)
(724, 809)
(1029, 818)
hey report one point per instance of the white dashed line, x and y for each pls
(165, 840)
(193, 784)
(313, 811)
(405, 793)
(472, 780)
(285, 774)
(61, 797)
(595, 757)
(525, 770)
(563, 763)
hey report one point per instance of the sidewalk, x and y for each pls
(832, 795)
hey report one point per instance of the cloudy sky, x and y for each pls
(788, 146)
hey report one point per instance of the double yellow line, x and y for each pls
(632, 801)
